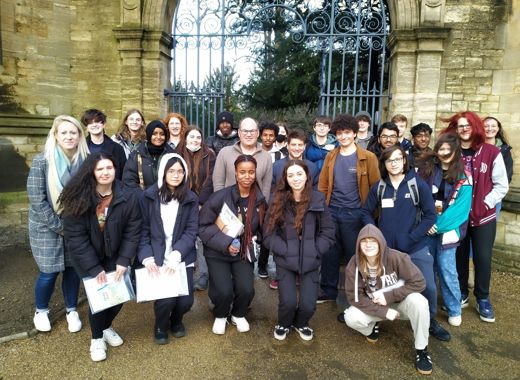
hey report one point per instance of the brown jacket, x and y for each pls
(367, 171)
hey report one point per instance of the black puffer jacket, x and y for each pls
(216, 242)
(303, 253)
(218, 141)
(150, 165)
(89, 247)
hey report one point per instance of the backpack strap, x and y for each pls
(414, 193)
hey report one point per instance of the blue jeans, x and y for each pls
(44, 288)
(446, 268)
(348, 224)
(424, 261)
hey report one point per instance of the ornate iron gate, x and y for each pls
(350, 35)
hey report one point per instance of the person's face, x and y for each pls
(401, 125)
(104, 172)
(158, 137)
(321, 129)
(248, 133)
(225, 128)
(387, 138)
(491, 128)
(67, 136)
(345, 137)
(369, 247)
(363, 125)
(464, 129)
(134, 122)
(395, 163)
(95, 128)
(268, 137)
(174, 175)
(194, 140)
(296, 178)
(245, 174)
(174, 126)
(421, 140)
(295, 149)
(445, 153)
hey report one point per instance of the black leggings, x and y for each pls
(102, 320)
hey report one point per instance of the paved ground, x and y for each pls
(478, 350)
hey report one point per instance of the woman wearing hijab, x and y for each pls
(65, 150)
(142, 165)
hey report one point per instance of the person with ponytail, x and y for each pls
(102, 225)
(170, 223)
(65, 150)
(298, 230)
(230, 260)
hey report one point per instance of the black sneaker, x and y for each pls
(178, 331)
(262, 273)
(341, 318)
(439, 332)
(374, 335)
(280, 332)
(423, 362)
(161, 337)
(322, 298)
(305, 332)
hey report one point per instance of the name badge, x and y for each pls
(387, 203)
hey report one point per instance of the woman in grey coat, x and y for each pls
(65, 150)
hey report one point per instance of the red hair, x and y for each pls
(478, 134)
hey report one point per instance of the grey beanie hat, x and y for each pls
(363, 113)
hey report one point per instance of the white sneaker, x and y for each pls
(41, 321)
(98, 350)
(74, 321)
(112, 338)
(241, 324)
(219, 326)
(455, 321)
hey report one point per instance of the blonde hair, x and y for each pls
(50, 144)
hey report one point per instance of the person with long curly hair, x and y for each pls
(102, 226)
(131, 132)
(231, 260)
(65, 150)
(490, 185)
(177, 125)
(298, 230)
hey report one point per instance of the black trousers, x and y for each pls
(102, 320)
(231, 284)
(293, 309)
(263, 257)
(169, 311)
(481, 239)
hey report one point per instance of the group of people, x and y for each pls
(397, 213)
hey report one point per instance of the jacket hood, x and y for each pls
(162, 167)
(371, 231)
(331, 139)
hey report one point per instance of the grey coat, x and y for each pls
(45, 226)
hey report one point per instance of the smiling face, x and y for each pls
(395, 163)
(248, 133)
(296, 147)
(174, 126)
(245, 174)
(363, 125)
(491, 128)
(421, 140)
(345, 137)
(464, 129)
(225, 128)
(193, 140)
(369, 247)
(321, 129)
(67, 136)
(445, 153)
(296, 178)
(387, 138)
(134, 122)
(174, 175)
(104, 172)
(96, 128)
(158, 137)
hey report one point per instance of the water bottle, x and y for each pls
(236, 243)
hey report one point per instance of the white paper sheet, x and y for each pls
(111, 293)
(162, 286)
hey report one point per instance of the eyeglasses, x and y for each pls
(321, 125)
(174, 172)
(135, 121)
(387, 137)
(248, 131)
(366, 241)
(397, 160)
(463, 126)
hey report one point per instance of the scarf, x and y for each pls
(60, 171)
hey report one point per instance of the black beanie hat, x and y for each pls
(225, 116)
(156, 124)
